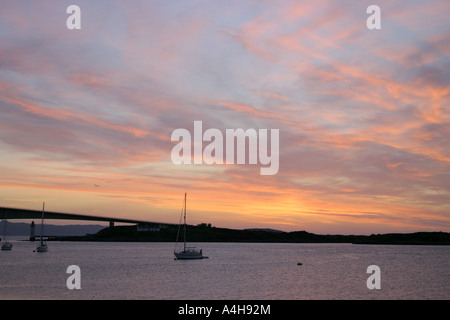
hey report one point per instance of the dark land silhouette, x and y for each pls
(207, 233)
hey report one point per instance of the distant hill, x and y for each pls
(204, 233)
(23, 229)
(262, 229)
(406, 238)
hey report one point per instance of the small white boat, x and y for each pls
(188, 252)
(42, 245)
(7, 246)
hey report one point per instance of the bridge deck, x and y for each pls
(15, 213)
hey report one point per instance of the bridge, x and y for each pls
(15, 213)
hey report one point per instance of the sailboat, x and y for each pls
(6, 246)
(42, 246)
(188, 252)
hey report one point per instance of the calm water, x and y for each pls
(233, 271)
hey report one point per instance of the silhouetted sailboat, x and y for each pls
(42, 246)
(6, 246)
(188, 252)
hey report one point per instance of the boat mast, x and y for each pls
(185, 221)
(42, 222)
(4, 229)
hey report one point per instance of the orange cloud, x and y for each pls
(65, 115)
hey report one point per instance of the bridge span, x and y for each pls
(15, 213)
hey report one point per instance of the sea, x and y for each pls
(233, 271)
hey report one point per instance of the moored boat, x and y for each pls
(187, 252)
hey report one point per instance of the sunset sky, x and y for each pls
(363, 115)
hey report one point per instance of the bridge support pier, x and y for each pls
(32, 236)
(111, 224)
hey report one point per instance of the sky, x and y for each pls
(86, 116)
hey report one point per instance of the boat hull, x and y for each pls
(188, 255)
(7, 246)
(41, 248)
